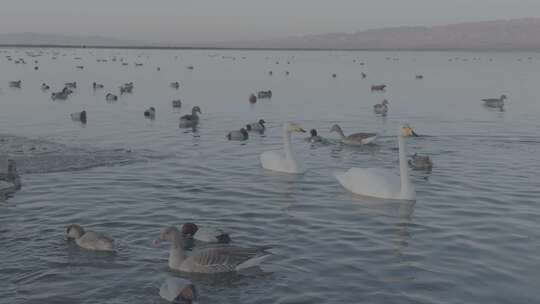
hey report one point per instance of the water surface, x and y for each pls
(473, 236)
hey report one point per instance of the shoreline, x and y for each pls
(157, 47)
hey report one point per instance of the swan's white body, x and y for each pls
(283, 161)
(381, 183)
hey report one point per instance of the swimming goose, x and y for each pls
(45, 87)
(150, 113)
(356, 138)
(177, 103)
(178, 290)
(380, 183)
(314, 138)
(419, 162)
(89, 239)
(381, 108)
(495, 102)
(241, 134)
(205, 234)
(189, 121)
(79, 116)
(284, 162)
(257, 126)
(15, 84)
(214, 259)
(96, 86)
(175, 85)
(59, 95)
(71, 85)
(111, 97)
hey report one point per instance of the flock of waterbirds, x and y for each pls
(186, 254)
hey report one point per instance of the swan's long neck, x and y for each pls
(287, 146)
(176, 254)
(406, 187)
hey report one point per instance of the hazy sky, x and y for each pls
(210, 20)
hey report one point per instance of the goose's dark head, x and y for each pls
(313, 132)
(262, 122)
(189, 229)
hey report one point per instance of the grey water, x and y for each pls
(472, 236)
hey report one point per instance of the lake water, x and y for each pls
(473, 235)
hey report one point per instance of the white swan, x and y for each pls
(284, 162)
(89, 239)
(214, 259)
(381, 183)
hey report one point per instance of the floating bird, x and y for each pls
(177, 103)
(89, 239)
(381, 87)
(495, 102)
(190, 121)
(252, 98)
(150, 113)
(205, 234)
(111, 97)
(257, 126)
(419, 76)
(126, 88)
(241, 134)
(381, 108)
(376, 182)
(45, 87)
(314, 138)
(71, 85)
(79, 116)
(175, 85)
(15, 84)
(356, 138)
(178, 290)
(264, 94)
(419, 162)
(210, 260)
(59, 95)
(96, 86)
(284, 162)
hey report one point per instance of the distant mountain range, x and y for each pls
(494, 35)
(515, 34)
